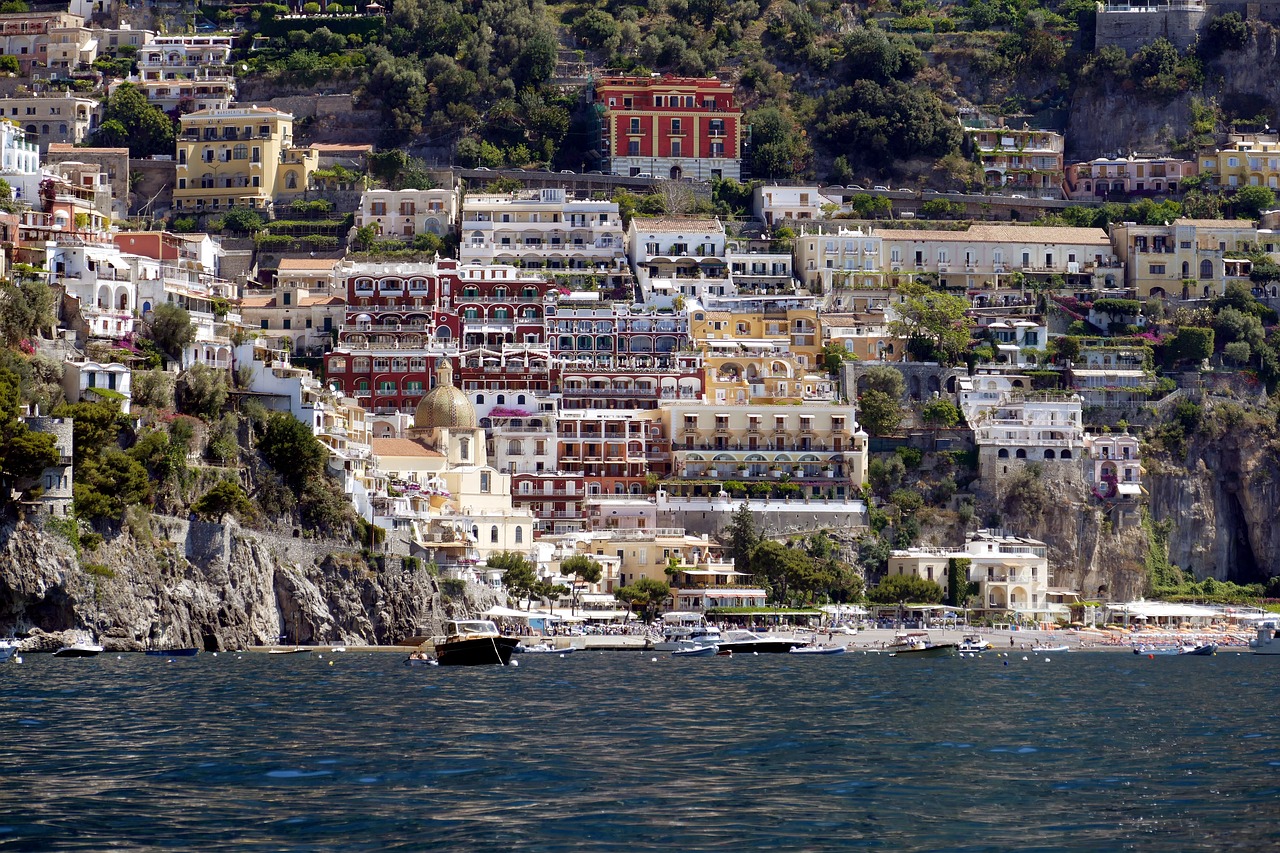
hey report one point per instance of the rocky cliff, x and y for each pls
(1222, 498)
(179, 583)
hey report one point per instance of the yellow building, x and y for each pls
(1243, 160)
(818, 447)
(1191, 258)
(789, 326)
(238, 157)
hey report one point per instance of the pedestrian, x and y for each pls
(1011, 642)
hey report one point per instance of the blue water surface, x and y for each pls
(616, 751)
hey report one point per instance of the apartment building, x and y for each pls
(577, 240)
(1114, 466)
(1188, 258)
(760, 273)
(403, 214)
(787, 327)
(679, 257)
(1123, 177)
(775, 205)
(71, 48)
(25, 35)
(113, 162)
(849, 258)
(1012, 572)
(985, 256)
(669, 127)
(187, 72)
(1112, 376)
(818, 447)
(1019, 159)
(53, 118)
(1028, 427)
(1243, 160)
(864, 336)
(19, 162)
(609, 447)
(238, 157)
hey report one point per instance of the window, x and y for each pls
(1206, 268)
(464, 449)
(675, 125)
(519, 535)
(1156, 269)
(493, 534)
(635, 125)
(633, 148)
(485, 485)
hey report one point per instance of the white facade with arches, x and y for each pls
(1041, 427)
(403, 214)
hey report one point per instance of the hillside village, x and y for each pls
(682, 375)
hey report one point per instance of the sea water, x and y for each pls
(618, 751)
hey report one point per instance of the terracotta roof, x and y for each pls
(402, 447)
(1005, 234)
(335, 146)
(671, 224)
(305, 302)
(308, 263)
(1216, 223)
(60, 147)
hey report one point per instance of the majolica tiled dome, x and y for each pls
(445, 407)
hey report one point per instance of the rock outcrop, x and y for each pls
(214, 587)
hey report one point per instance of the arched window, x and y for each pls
(291, 180)
(519, 535)
(1021, 454)
(502, 398)
(464, 449)
(493, 534)
(515, 448)
(1048, 454)
(1003, 454)
(475, 532)
(1206, 268)
(520, 399)
(1186, 270)
(1066, 454)
(479, 398)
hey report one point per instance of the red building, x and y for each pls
(669, 127)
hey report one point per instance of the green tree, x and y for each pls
(171, 330)
(201, 392)
(906, 589)
(940, 208)
(887, 380)
(292, 449)
(878, 413)
(519, 576)
(598, 29)
(130, 121)
(584, 570)
(96, 426)
(779, 148)
(225, 498)
(833, 356)
(26, 308)
(23, 452)
(937, 318)
(959, 588)
(242, 220)
(743, 536)
(108, 483)
(871, 54)
(785, 571)
(1249, 202)
(647, 594)
(941, 413)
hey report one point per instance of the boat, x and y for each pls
(542, 649)
(695, 652)
(9, 648)
(686, 631)
(297, 650)
(917, 644)
(420, 658)
(1044, 650)
(79, 650)
(474, 642)
(972, 643)
(1265, 643)
(747, 642)
(818, 650)
(1157, 651)
(173, 653)
(1202, 650)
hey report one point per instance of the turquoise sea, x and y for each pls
(616, 751)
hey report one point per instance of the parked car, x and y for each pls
(882, 189)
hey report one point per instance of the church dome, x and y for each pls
(445, 407)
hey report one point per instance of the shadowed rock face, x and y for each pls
(243, 590)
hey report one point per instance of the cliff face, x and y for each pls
(1223, 501)
(215, 588)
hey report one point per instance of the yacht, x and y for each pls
(746, 642)
(1266, 643)
(9, 648)
(678, 637)
(474, 642)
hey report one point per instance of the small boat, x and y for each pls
(474, 642)
(172, 653)
(695, 652)
(1044, 650)
(917, 644)
(297, 650)
(79, 650)
(543, 649)
(745, 642)
(9, 648)
(972, 643)
(420, 658)
(686, 631)
(1202, 650)
(818, 650)
(1157, 651)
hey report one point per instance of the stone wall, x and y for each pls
(1132, 28)
(154, 193)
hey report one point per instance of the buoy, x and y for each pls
(513, 663)
(1024, 657)
(1006, 663)
(757, 654)
(562, 656)
(215, 654)
(330, 663)
(1151, 657)
(119, 657)
(18, 659)
(653, 660)
(1046, 660)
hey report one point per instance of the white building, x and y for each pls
(403, 214)
(1015, 337)
(987, 389)
(1114, 467)
(545, 230)
(774, 204)
(1012, 573)
(760, 273)
(679, 257)
(83, 378)
(101, 281)
(19, 162)
(1030, 427)
(847, 257)
(192, 72)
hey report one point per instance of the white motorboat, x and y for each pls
(818, 650)
(686, 631)
(1266, 643)
(695, 652)
(79, 650)
(973, 643)
(543, 649)
(9, 648)
(1044, 650)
